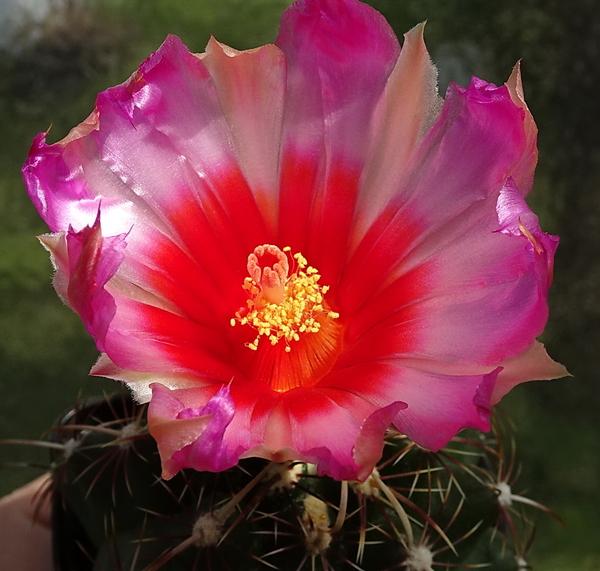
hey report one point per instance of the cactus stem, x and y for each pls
(208, 528)
(413, 512)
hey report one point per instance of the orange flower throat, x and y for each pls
(290, 313)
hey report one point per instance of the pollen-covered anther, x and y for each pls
(282, 306)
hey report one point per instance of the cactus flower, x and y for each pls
(288, 250)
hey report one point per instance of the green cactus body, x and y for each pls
(418, 511)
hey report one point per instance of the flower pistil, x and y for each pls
(287, 308)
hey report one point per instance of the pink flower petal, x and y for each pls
(67, 182)
(54, 189)
(191, 437)
(298, 425)
(408, 107)
(437, 405)
(531, 364)
(369, 443)
(516, 219)
(467, 156)
(85, 261)
(523, 173)
(478, 297)
(250, 86)
(344, 50)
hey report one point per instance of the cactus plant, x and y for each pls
(419, 510)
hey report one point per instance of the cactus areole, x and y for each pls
(289, 250)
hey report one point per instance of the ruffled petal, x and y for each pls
(56, 245)
(477, 296)
(523, 172)
(466, 156)
(437, 405)
(85, 261)
(460, 402)
(407, 108)
(191, 437)
(369, 443)
(289, 426)
(68, 182)
(533, 364)
(60, 196)
(516, 219)
(311, 416)
(251, 88)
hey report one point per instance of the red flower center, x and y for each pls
(298, 337)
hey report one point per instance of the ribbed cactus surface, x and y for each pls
(418, 511)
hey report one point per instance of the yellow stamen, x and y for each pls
(288, 310)
(282, 307)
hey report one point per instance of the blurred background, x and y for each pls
(55, 55)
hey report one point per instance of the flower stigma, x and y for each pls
(286, 306)
(282, 306)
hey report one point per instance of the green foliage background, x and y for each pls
(51, 73)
